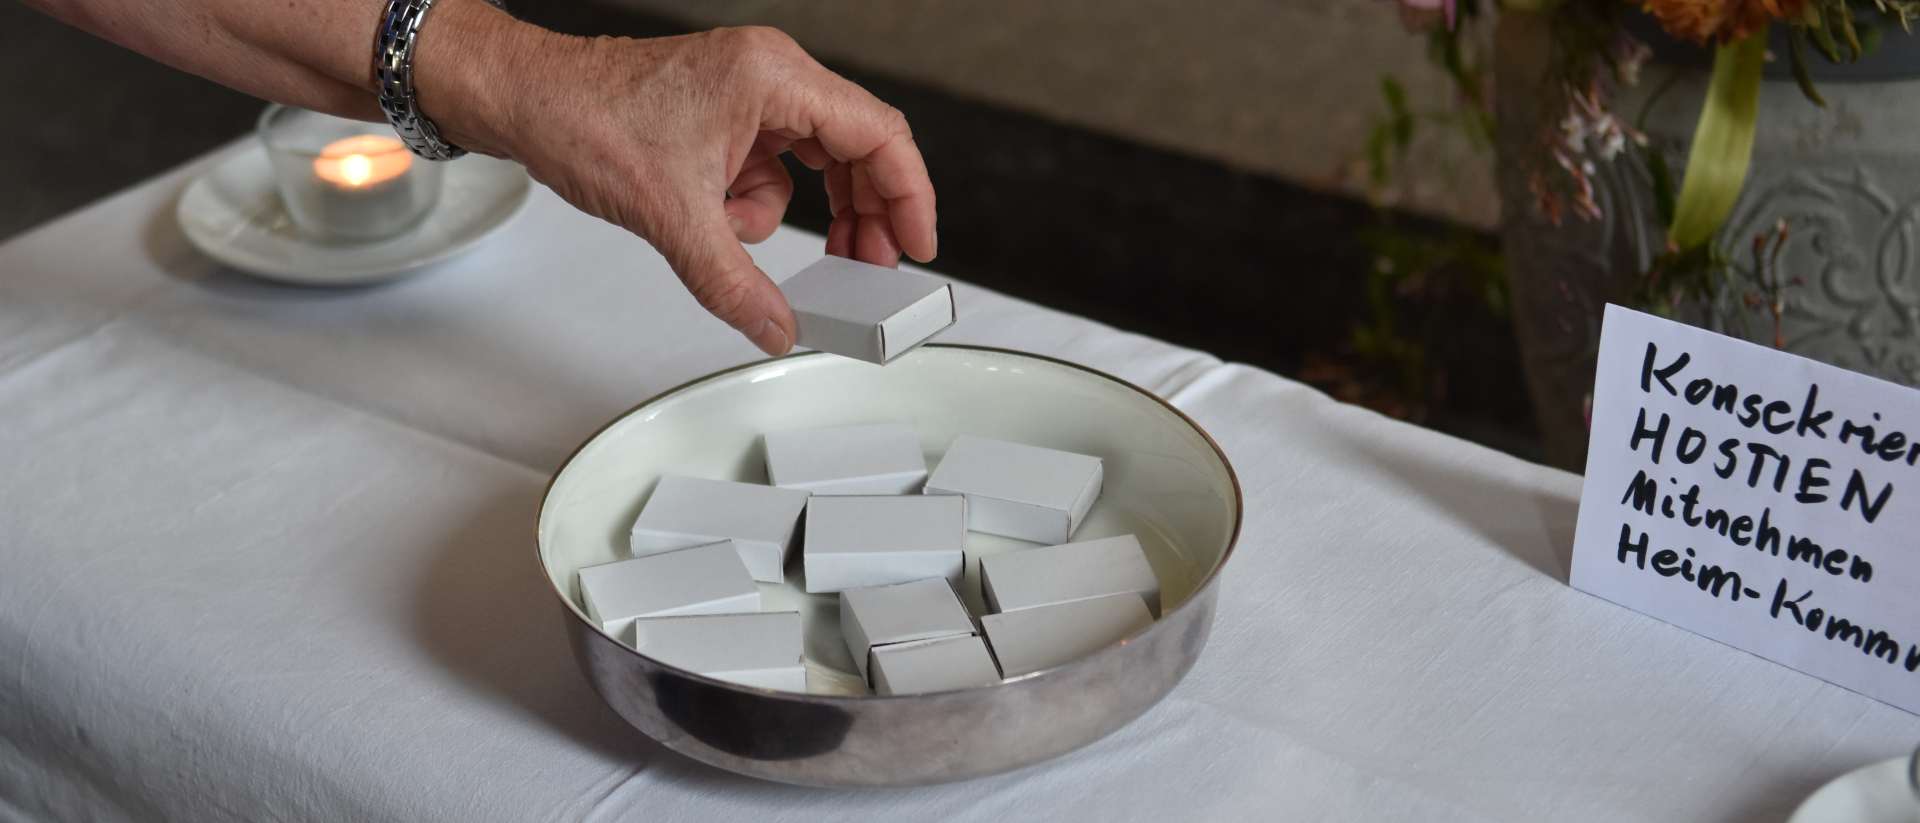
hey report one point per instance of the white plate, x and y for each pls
(234, 214)
(1879, 793)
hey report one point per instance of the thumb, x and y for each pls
(710, 261)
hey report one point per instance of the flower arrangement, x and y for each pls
(1595, 57)
(1684, 264)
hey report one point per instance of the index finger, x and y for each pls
(898, 174)
(851, 124)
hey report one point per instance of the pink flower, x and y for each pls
(1421, 15)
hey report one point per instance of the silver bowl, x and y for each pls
(1166, 481)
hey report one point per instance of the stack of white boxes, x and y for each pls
(688, 597)
(1017, 490)
(699, 609)
(914, 637)
(895, 557)
(690, 511)
(1057, 604)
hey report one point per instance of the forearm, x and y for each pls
(675, 139)
(315, 55)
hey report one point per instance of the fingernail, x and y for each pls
(769, 337)
(738, 225)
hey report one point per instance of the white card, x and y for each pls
(1777, 500)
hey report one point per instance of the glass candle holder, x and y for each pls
(344, 181)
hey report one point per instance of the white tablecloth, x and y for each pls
(267, 555)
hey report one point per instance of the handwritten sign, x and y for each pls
(1758, 498)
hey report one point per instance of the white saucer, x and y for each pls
(234, 214)
(1878, 793)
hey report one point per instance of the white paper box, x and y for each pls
(760, 649)
(856, 542)
(882, 458)
(691, 511)
(920, 610)
(937, 665)
(708, 579)
(1018, 490)
(1071, 571)
(1046, 636)
(864, 311)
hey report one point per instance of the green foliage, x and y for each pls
(1842, 30)
(1797, 55)
(1413, 287)
(1702, 274)
(1662, 184)
(1818, 24)
(1722, 142)
(1388, 142)
(1416, 274)
(1899, 11)
(1678, 277)
(1469, 76)
(1583, 34)
(1419, 277)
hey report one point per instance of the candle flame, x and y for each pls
(360, 161)
(356, 168)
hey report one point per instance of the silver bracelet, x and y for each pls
(393, 69)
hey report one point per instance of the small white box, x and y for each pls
(1042, 637)
(1017, 490)
(1070, 571)
(864, 311)
(760, 649)
(882, 458)
(692, 511)
(937, 665)
(920, 610)
(708, 579)
(855, 542)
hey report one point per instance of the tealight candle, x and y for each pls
(343, 184)
(363, 161)
(364, 192)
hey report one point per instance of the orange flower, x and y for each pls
(1725, 20)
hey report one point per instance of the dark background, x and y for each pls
(1250, 268)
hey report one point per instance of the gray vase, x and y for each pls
(1846, 178)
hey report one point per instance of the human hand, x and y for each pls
(678, 140)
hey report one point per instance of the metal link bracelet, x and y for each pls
(393, 47)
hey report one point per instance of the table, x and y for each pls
(269, 556)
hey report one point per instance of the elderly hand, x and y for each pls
(678, 140)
